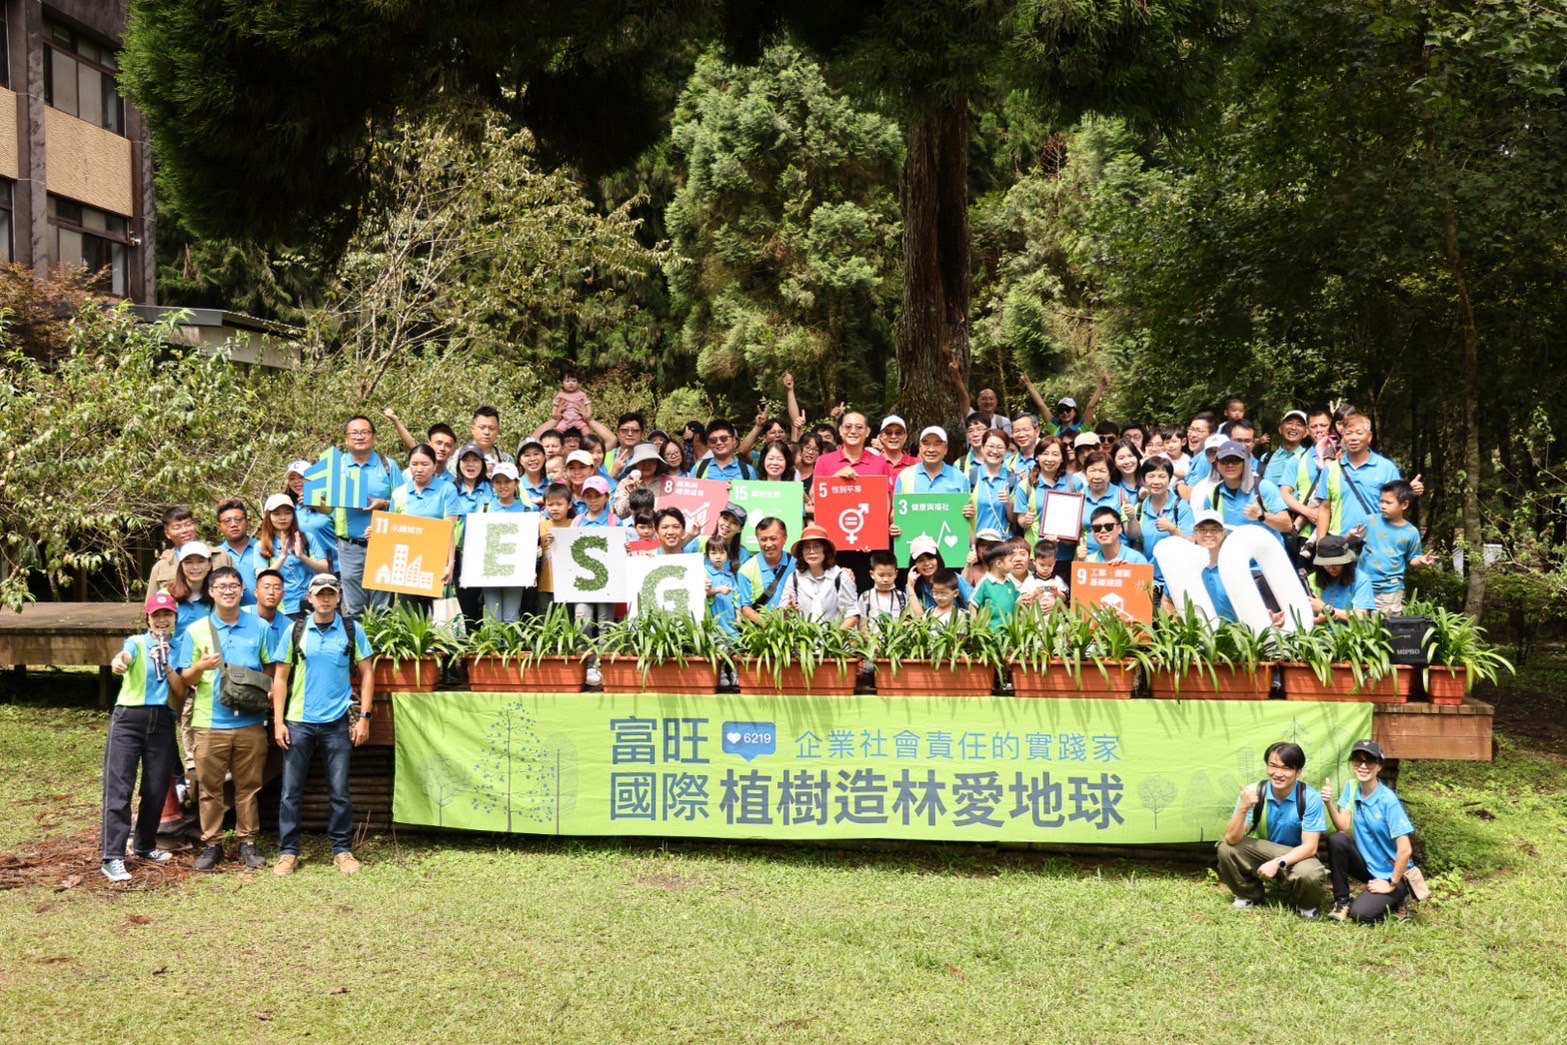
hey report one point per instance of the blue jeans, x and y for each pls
(335, 742)
(351, 568)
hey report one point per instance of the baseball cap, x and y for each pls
(299, 467)
(470, 448)
(598, 484)
(924, 544)
(989, 534)
(1213, 442)
(1068, 402)
(323, 581)
(528, 444)
(1203, 515)
(580, 457)
(1368, 747)
(1301, 414)
(935, 430)
(160, 600)
(1085, 439)
(736, 512)
(1230, 448)
(892, 419)
(276, 501)
(504, 470)
(190, 548)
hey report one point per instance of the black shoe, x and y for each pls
(251, 857)
(210, 857)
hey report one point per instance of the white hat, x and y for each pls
(276, 501)
(989, 534)
(935, 430)
(1215, 441)
(504, 470)
(580, 457)
(190, 548)
(893, 419)
(1067, 401)
(300, 467)
(1203, 515)
(924, 544)
(1296, 413)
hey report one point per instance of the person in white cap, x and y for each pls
(1197, 487)
(891, 444)
(286, 548)
(315, 520)
(932, 474)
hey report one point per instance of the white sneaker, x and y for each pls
(594, 677)
(1308, 913)
(156, 856)
(1241, 904)
(114, 871)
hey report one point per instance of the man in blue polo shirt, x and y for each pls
(311, 694)
(243, 550)
(761, 577)
(932, 474)
(724, 464)
(229, 742)
(1272, 837)
(376, 477)
(1348, 492)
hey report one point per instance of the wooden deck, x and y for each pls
(70, 633)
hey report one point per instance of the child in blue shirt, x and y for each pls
(721, 585)
(1392, 545)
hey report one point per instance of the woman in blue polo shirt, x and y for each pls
(1338, 590)
(296, 555)
(1373, 843)
(423, 496)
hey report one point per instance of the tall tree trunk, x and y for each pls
(1473, 537)
(932, 328)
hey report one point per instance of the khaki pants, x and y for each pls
(1390, 603)
(241, 753)
(1305, 884)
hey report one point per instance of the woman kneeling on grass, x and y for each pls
(1373, 843)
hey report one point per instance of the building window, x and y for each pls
(93, 239)
(7, 243)
(80, 78)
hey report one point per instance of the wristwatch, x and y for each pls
(367, 715)
(1284, 865)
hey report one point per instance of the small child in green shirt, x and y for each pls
(996, 590)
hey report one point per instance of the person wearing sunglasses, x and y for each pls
(1374, 843)
(1105, 525)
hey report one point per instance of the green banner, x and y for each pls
(938, 516)
(762, 499)
(932, 769)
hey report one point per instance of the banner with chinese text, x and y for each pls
(938, 769)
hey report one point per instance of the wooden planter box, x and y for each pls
(828, 681)
(545, 675)
(1447, 686)
(1233, 685)
(921, 679)
(1301, 683)
(422, 675)
(621, 675)
(1058, 682)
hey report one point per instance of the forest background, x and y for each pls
(1287, 201)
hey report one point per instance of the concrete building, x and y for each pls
(75, 162)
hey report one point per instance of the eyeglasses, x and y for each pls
(1103, 527)
(360, 431)
(228, 587)
(629, 429)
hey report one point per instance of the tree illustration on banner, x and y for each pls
(1207, 808)
(513, 775)
(560, 762)
(1156, 794)
(442, 780)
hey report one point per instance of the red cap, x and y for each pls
(161, 600)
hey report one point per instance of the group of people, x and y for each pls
(281, 600)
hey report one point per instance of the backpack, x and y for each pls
(1259, 817)
(746, 471)
(296, 640)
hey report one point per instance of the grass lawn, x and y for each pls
(513, 939)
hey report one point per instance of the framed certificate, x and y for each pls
(1061, 516)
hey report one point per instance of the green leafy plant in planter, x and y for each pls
(656, 638)
(1182, 645)
(407, 633)
(1458, 652)
(1361, 645)
(554, 633)
(969, 641)
(492, 638)
(784, 639)
(1068, 641)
